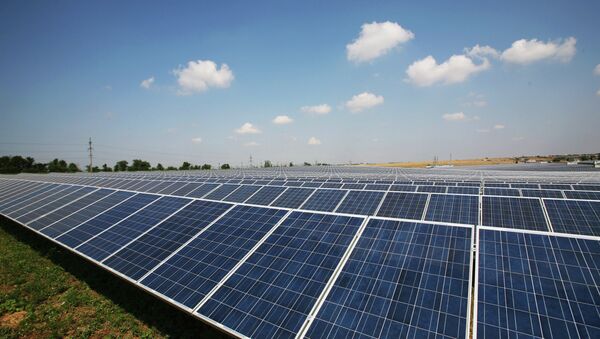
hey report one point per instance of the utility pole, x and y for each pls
(250, 160)
(90, 150)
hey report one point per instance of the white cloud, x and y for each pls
(527, 51)
(200, 75)
(197, 140)
(317, 109)
(459, 116)
(147, 83)
(363, 101)
(597, 69)
(457, 68)
(499, 126)
(475, 100)
(481, 51)
(251, 144)
(282, 120)
(314, 141)
(376, 39)
(247, 128)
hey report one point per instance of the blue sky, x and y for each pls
(74, 69)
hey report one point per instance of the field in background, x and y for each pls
(467, 162)
(46, 291)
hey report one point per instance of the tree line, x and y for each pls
(19, 164)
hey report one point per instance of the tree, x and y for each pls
(57, 166)
(268, 163)
(72, 168)
(171, 168)
(306, 163)
(139, 165)
(121, 166)
(159, 167)
(291, 164)
(105, 168)
(225, 166)
(206, 167)
(185, 166)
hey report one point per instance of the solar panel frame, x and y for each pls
(574, 216)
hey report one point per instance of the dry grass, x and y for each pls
(464, 162)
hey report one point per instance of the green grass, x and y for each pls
(47, 291)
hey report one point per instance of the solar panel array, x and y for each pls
(339, 252)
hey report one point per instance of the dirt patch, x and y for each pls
(12, 320)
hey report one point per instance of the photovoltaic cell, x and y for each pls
(196, 269)
(107, 219)
(360, 202)
(146, 252)
(202, 190)
(30, 197)
(403, 188)
(402, 280)
(432, 189)
(293, 197)
(271, 294)
(186, 189)
(403, 205)
(463, 209)
(587, 187)
(242, 193)
(520, 213)
(587, 195)
(222, 192)
(463, 190)
(507, 192)
(324, 200)
(265, 195)
(537, 286)
(574, 216)
(542, 193)
(113, 238)
(30, 214)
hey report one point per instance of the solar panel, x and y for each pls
(587, 195)
(222, 192)
(463, 190)
(242, 193)
(537, 285)
(542, 193)
(187, 189)
(403, 205)
(28, 214)
(510, 192)
(60, 194)
(140, 256)
(587, 187)
(574, 216)
(83, 232)
(555, 187)
(293, 197)
(109, 240)
(324, 200)
(172, 188)
(377, 187)
(360, 202)
(432, 189)
(402, 280)
(462, 209)
(520, 213)
(202, 190)
(265, 195)
(403, 188)
(28, 197)
(271, 294)
(189, 275)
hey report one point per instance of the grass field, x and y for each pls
(46, 291)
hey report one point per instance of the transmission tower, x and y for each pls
(90, 150)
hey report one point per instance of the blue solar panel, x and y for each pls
(542, 193)
(202, 190)
(31, 213)
(293, 197)
(523, 213)
(222, 192)
(265, 195)
(402, 280)
(587, 187)
(555, 187)
(508, 192)
(574, 216)
(517, 185)
(463, 190)
(196, 269)
(377, 187)
(353, 186)
(332, 185)
(242, 193)
(30, 197)
(360, 202)
(324, 200)
(271, 294)
(187, 189)
(146, 252)
(117, 236)
(403, 205)
(587, 195)
(432, 189)
(40, 200)
(537, 286)
(161, 185)
(462, 209)
(107, 219)
(67, 210)
(174, 187)
(403, 188)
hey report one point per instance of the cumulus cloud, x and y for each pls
(481, 51)
(200, 75)
(597, 69)
(317, 109)
(499, 126)
(282, 120)
(376, 39)
(527, 51)
(247, 128)
(457, 68)
(459, 116)
(363, 101)
(251, 144)
(197, 140)
(147, 83)
(314, 141)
